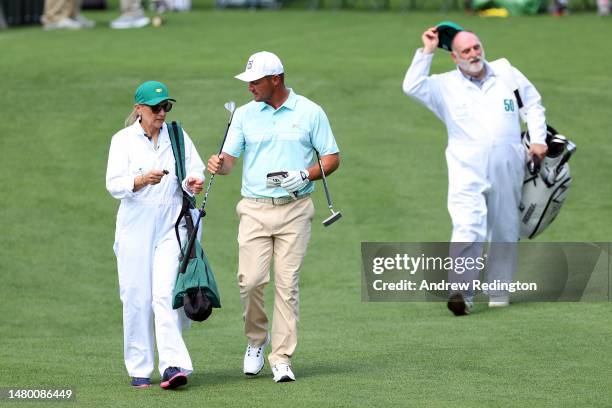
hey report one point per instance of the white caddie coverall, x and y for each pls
(147, 249)
(485, 157)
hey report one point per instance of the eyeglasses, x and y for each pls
(165, 105)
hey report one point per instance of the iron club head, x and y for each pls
(230, 106)
(335, 216)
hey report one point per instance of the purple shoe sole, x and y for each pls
(176, 381)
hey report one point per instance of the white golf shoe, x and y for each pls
(254, 359)
(499, 301)
(282, 373)
(84, 22)
(63, 23)
(125, 21)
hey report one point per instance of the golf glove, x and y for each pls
(295, 180)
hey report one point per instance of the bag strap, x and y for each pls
(177, 139)
(503, 68)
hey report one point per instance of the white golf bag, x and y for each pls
(546, 184)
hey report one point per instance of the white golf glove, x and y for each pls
(295, 180)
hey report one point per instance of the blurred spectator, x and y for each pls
(93, 5)
(64, 14)
(603, 7)
(181, 5)
(559, 8)
(132, 15)
(161, 6)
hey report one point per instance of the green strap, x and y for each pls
(175, 131)
(178, 147)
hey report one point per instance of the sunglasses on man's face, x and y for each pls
(165, 105)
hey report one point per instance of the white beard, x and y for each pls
(471, 68)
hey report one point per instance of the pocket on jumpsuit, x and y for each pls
(119, 228)
(460, 111)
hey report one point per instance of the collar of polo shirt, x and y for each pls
(289, 103)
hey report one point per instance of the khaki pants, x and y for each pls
(55, 10)
(281, 232)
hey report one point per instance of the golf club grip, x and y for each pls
(329, 201)
(225, 135)
(534, 165)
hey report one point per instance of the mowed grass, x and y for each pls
(66, 93)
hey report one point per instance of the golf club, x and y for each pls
(231, 107)
(335, 216)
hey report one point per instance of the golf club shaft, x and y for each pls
(212, 176)
(189, 248)
(201, 212)
(329, 201)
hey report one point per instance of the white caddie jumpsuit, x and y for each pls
(485, 157)
(147, 249)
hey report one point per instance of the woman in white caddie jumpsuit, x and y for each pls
(141, 173)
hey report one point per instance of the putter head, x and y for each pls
(230, 106)
(332, 218)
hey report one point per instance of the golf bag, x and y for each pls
(546, 184)
(195, 288)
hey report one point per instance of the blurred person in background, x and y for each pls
(132, 15)
(603, 7)
(161, 6)
(64, 15)
(559, 8)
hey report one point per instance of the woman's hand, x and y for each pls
(149, 178)
(195, 185)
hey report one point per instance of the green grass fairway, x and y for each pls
(66, 93)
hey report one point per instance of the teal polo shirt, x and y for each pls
(278, 140)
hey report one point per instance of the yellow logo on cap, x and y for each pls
(158, 90)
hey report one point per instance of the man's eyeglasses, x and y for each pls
(165, 105)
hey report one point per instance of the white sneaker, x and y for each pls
(254, 359)
(64, 23)
(130, 21)
(282, 373)
(85, 22)
(499, 301)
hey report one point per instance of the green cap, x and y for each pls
(151, 93)
(447, 30)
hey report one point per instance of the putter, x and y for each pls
(335, 216)
(231, 107)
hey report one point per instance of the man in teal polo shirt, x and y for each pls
(278, 132)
